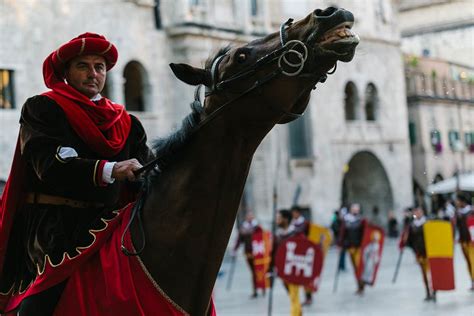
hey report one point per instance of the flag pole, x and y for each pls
(275, 210)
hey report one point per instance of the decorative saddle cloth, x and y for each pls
(101, 279)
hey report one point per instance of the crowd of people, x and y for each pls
(347, 226)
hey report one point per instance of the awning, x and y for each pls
(466, 183)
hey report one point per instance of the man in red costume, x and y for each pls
(76, 152)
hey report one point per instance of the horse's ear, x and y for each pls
(191, 75)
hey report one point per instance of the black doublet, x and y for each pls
(416, 239)
(461, 223)
(353, 230)
(40, 229)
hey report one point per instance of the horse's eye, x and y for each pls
(241, 58)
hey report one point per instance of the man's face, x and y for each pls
(87, 74)
(282, 221)
(355, 209)
(295, 214)
(249, 217)
(279, 220)
(460, 204)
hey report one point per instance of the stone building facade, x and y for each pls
(351, 146)
(441, 119)
(441, 29)
(437, 36)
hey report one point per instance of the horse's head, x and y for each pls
(279, 70)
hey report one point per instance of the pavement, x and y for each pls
(404, 298)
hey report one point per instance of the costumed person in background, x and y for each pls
(414, 238)
(466, 233)
(448, 212)
(351, 238)
(336, 224)
(300, 225)
(392, 225)
(247, 228)
(77, 152)
(342, 254)
(282, 232)
(376, 217)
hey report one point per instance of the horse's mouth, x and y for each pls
(339, 41)
(340, 33)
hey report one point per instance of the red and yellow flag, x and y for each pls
(439, 245)
(261, 250)
(320, 235)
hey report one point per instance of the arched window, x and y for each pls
(351, 102)
(136, 86)
(254, 8)
(300, 137)
(371, 102)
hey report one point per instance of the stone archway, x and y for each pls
(366, 182)
(136, 87)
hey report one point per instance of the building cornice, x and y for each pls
(437, 28)
(438, 99)
(210, 31)
(223, 33)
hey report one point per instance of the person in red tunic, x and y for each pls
(300, 225)
(246, 230)
(76, 155)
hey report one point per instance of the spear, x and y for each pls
(397, 268)
(336, 278)
(231, 272)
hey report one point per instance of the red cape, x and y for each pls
(104, 128)
(103, 281)
(10, 200)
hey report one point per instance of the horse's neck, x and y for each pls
(191, 209)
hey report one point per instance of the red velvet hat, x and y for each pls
(85, 44)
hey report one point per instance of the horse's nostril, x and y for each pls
(326, 13)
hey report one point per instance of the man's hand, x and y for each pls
(124, 170)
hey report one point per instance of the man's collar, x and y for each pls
(96, 98)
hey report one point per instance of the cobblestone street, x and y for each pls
(404, 298)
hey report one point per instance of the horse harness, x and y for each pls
(281, 54)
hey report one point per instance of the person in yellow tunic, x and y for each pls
(284, 230)
(351, 237)
(415, 240)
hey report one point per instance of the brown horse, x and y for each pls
(193, 192)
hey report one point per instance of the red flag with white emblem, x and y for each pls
(261, 250)
(299, 261)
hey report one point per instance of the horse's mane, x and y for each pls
(166, 147)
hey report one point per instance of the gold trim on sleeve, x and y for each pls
(94, 174)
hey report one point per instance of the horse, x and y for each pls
(193, 188)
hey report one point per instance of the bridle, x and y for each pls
(281, 55)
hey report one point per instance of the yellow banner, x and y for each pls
(318, 233)
(438, 239)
